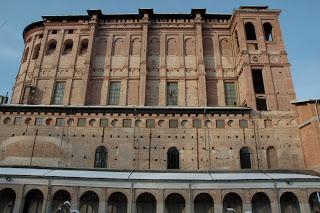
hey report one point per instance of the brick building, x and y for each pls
(155, 113)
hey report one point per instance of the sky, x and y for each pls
(299, 24)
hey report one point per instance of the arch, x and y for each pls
(33, 201)
(89, 202)
(36, 51)
(7, 200)
(84, 46)
(314, 202)
(117, 203)
(25, 55)
(207, 47)
(272, 157)
(203, 203)
(135, 47)
(232, 203)
(250, 31)
(189, 47)
(51, 46)
(172, 47)
(59, 198)
(146, 203)
(260, 203)
(289, 203)
(67, 46)
(173, 158)
(101, 157)
(174, 203)
(267, 29)
(154, 46)
(118, 47)
(245, 158)
(101, 47)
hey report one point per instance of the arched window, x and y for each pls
(59, 198)
(83, 46)
(272, 158)
(245, 158)
(36, 51)
(146, 203)
(89, 202)
(25, 55)
(117, 203)
(174, 203)
(172, 47)
(33, 202)
(203, 203)
(314, 202)
(189, 46)
(232, 203)
(135, 47)
(67, 47)
(173, 158)
(250, 31)
(261, 203)
(118, 47)
(101, 157)
(52, 45)
(7, 200)
(289, 203)
(267, 28)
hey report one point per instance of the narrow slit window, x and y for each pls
(258, 83)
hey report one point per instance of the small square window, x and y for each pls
(268, 123)
(54, 31)
(150, 123)
(197, 123)
(173, 123)
(60, 122)
(41, 36)
(220, 124)
(18, 121)
(70, 31)
(103, 122)
(127, 122)
(243, 124)
(38, 121)
(82, 122)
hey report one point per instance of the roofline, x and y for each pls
(307, 101)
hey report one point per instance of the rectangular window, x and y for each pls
(103, 122)
(230, 93)
(58, 93)
(261, 104)
(196, 123)
(173, 123)
(114, 93)
(172, 93)
(60, 122)
(268, 123)
(258, 81)
(127, 122)
(243, 124)
(220, 124)
(38, 122)
(82, 122)
(18, 121)
(150, 123)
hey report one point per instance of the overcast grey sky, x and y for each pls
(299, 21)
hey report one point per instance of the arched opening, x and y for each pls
(267, 28)
(7, 200)
(250, 31)
(146, 203)
(203, 203)
(67, 47)
(52, 45)
(232, 203)
(314, 202)
(272, 158)
(117, 203)
(189, 46)
(174, 203)
(289, 203)
(118, 47)
(245, 158)
(83, 46)
(260, 203)
(25, 55)
(101, 157)
(173, 158)
(59, 198)
(135, 47)
(172, 47)
(33, 202)
(89, 202)
(36, 51)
